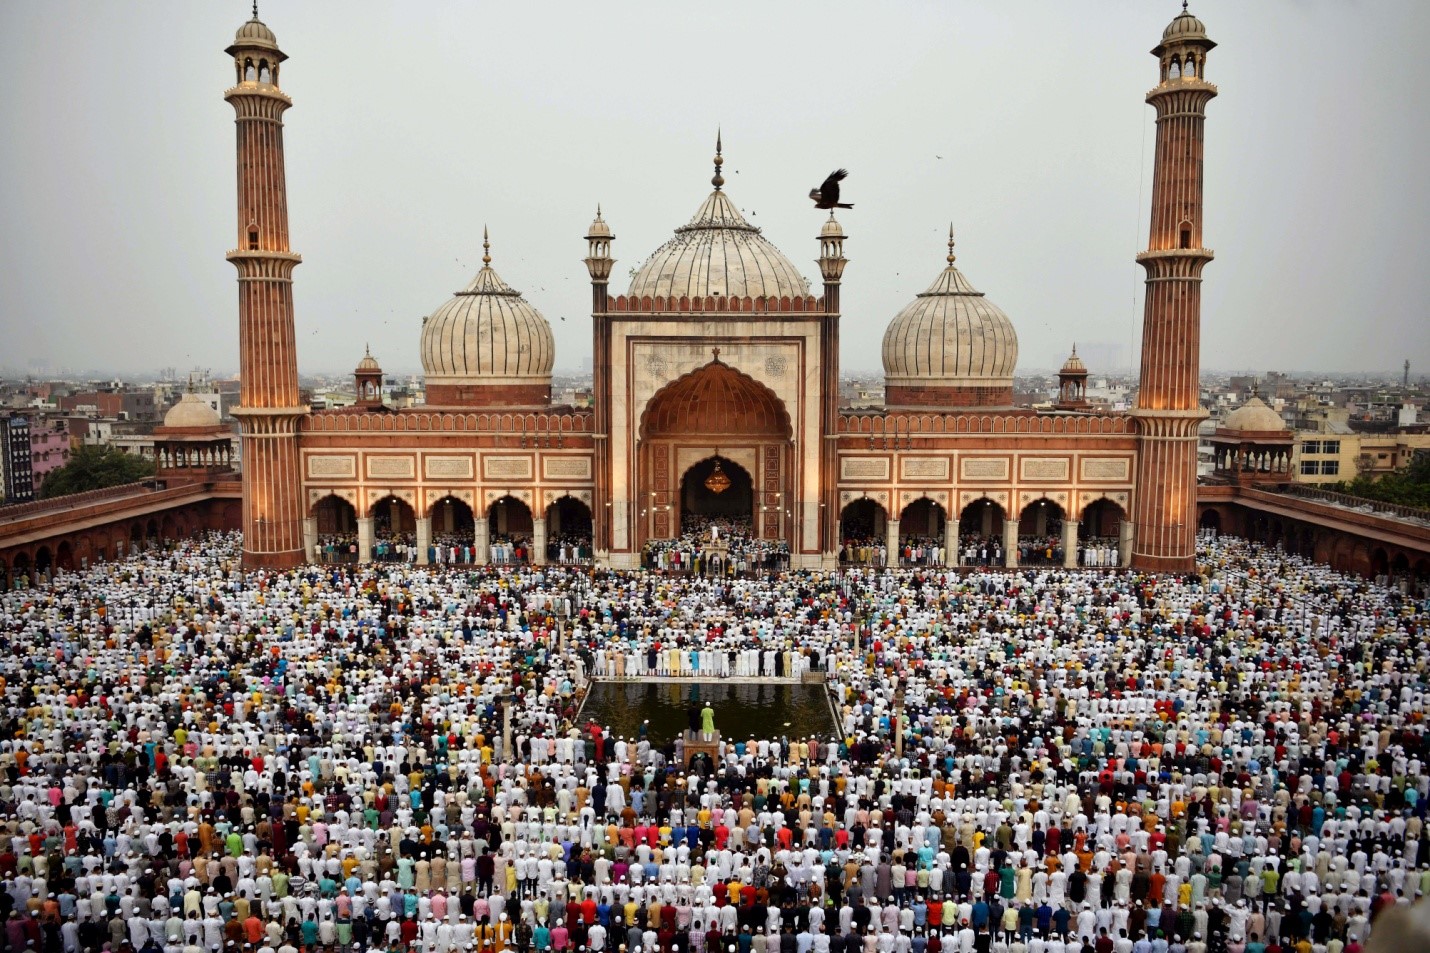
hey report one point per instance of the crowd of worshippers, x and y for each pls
(197, 757)
(715, 546)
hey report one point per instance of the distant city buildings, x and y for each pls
(18, 477)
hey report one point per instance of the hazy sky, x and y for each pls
(416, 123)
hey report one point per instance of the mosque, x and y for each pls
(716, 390)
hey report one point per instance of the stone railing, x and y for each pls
(61, 503)
(1379, 508)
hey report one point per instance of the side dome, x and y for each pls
(718, 253)
(191, 413)
(1254, 415)
(487, 346)
(950, 348)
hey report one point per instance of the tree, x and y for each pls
(1408, 486)
(94, 468)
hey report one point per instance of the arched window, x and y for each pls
(253, 238)
(1175, 72)
(249, 73)
(1191, 70)
(1184, 239)
(263, 75)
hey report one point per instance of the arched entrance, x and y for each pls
(980, 534)
(44, 564)
(21, 575)
(394, 530)
(1099, 533)
(715, 417)
(64, 557)
(509, 526)
(336, 522)
(1040, 534)
(921, 533)
(861, 533)
(568, 531)
(454, 530)
(717, 490)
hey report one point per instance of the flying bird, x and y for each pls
(827, 195)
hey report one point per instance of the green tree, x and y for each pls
(94, 468)
(1408, 486)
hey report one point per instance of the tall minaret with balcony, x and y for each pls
(831, 269)
(598, 262)
(269, 403)
(1168, 406)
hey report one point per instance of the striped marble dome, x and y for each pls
(487, 334)
(718, 253)
(950, 336)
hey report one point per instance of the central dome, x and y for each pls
(487, 346)
(718, 253)
(951, 347)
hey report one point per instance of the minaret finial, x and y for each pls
(1184, 5)
(951, 256)
(255, 9)
(718, 180)
(486, 247)
(598, 211)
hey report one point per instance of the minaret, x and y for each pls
(598, 263)
(1168, 399)
(831, 268)
(269, 403)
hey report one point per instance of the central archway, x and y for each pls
(715, 416)
(717, 488)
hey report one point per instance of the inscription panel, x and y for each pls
(566, 468)
(863, 468)
(400, 468)
(334, 467)
(924, 468)
(1041, 468)
(506, 468)
(457, 468)
(1106, 468)
(983, 468)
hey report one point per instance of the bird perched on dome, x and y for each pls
(827, 195)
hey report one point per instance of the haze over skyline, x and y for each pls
(415, 126)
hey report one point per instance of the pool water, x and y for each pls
(742, 710)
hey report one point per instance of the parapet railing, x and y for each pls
(22, 510)
(1378, 507)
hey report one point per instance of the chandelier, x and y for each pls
(717, 481)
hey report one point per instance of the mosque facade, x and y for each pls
(716, 391)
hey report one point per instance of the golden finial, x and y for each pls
(950, 243)
(718, 180)
(486, 247)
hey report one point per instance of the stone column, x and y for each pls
(365, 539)
(950, 543)
(1069, 544)
(424, 539)
(538, 541)
(1124, 543)
(310, 539)
(480, 542)
(1010, 543)
(891, 541)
